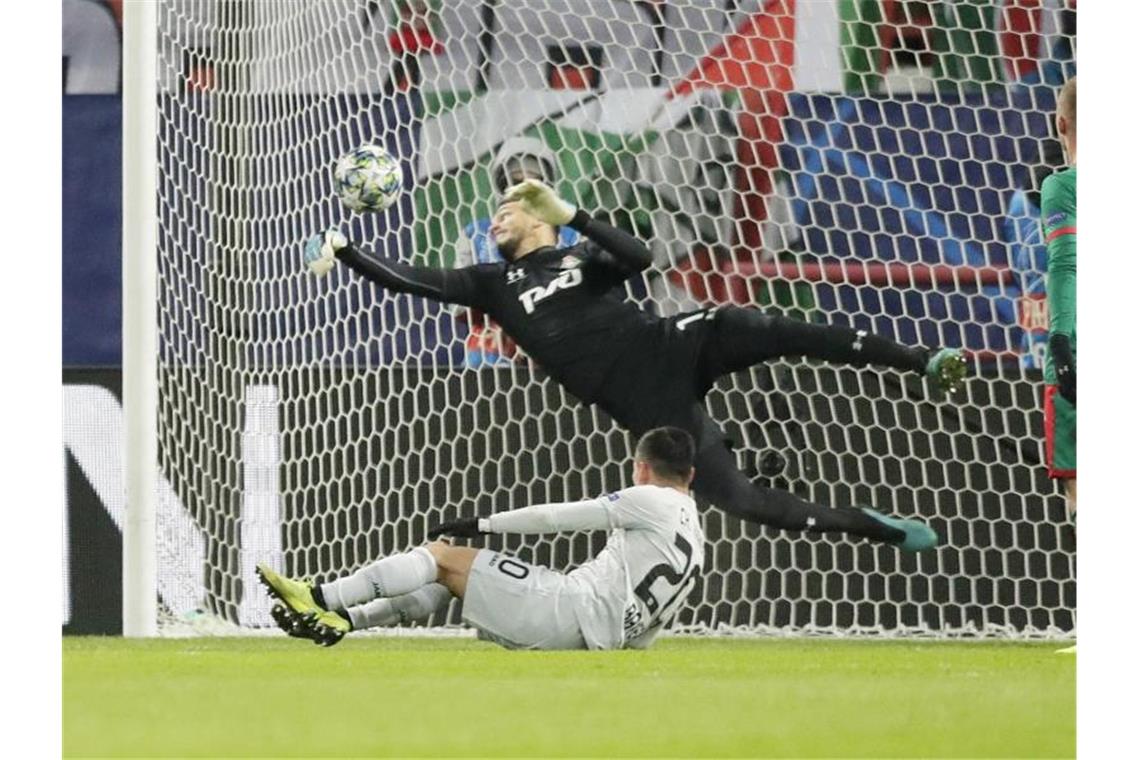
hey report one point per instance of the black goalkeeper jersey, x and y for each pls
(565, 307)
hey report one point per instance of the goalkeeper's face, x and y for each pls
(516, 232)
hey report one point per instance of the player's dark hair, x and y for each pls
(668, 451)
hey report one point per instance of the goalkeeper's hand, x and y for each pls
(541, 202)
(466, 527)
(1065, 365)
(320, 250)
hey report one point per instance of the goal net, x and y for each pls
(860, 163)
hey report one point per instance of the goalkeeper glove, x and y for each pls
(320, 250)
(465, 527)
(541, 202)
(1062, 351)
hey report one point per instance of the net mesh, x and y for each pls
(867, 164)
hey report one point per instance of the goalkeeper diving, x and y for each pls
(566, 309)
(620, 599)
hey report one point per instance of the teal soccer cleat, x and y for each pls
(918, 535)
(948, 368)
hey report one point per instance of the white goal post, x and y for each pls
(140, 320)
(770, 152)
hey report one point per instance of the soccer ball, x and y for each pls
(367, 178)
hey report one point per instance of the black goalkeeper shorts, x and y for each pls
(663, 378)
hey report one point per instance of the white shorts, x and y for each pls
(521, 606)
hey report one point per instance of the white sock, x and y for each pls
(388, 577)
(400, 609)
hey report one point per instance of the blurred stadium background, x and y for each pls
(866, 162)
(859, 161)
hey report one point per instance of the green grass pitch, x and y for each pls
(684, 697)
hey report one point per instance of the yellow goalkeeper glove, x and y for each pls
(541, 202)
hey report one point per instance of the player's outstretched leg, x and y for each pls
(745, 336)
(719, 481)
(390, 590)
(400, 610)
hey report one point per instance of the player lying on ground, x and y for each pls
(620, 599)
(564, 307)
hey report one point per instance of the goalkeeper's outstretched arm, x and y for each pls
(446, 285)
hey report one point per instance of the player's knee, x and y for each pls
(453, 563)
(440, 550)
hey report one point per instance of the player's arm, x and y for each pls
(605, 513)
(464, 258)
(459, 286)
(539, 518)
(619, 250)
(1059, 222)
(549, 518)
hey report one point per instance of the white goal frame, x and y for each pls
(140, 317)
(876, 430)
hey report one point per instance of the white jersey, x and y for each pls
(636, 584)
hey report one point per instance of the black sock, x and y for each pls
(844, 344)
(727, 488)
(318, 597)
(785, 510)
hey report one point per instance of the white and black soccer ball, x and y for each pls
(367, 178)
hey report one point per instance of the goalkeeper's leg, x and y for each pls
(1061, 444)
(1071, 505)
(720, 482)
(742, 337)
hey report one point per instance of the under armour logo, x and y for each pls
(514, 275)
(858, 344)
(811, 522)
